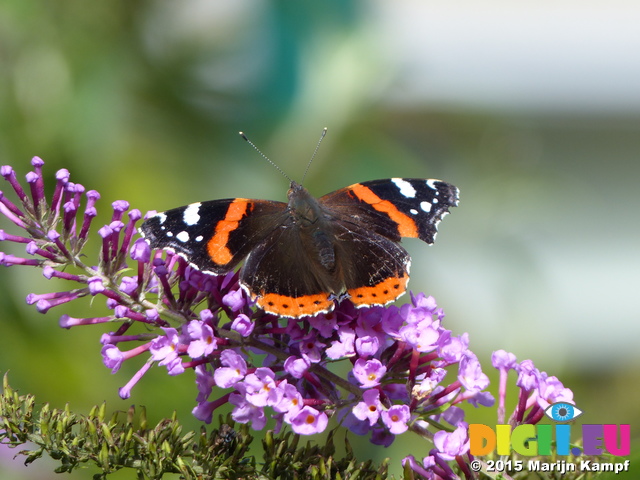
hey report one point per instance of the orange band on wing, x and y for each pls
(217, 245)
(295, 306)
(381, 294)
(406, 226)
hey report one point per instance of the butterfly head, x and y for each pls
(303, 207)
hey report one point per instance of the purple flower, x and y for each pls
(202, 341)
(503, 360)
(7, 260)
(454, 348)
(369, 372)
(308, 421)
(112, 357)
(345, 346)
(420, 469)
(291, 401)
(140, 251)
(204, 411)
(245, 412)
(95, 285)
(396, 418)
(428, 384)
(90, 212)
(452, 444)
(311, 348)
(243, 325)
(370, 407)
(125, 392)
(205, 382)
(119, 207)
(7, 172)
(381, 436)
(105, 232)
(369, 324)
(46, 301)
(129, 285)
(454, 416)
(234, 370)
(296, 366)
(484, 399)
(551, 390)
(235, 300)
(528, 375)
(67, 322)
(164, 350)
(470, 373)
(207, 316)
(367, 346)
(422, 336)
(425, 302)
(261, 388)
(152, 315)
(325, 324)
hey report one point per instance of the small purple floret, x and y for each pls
(396, 418)
(309, 421)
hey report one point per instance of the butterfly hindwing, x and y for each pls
(374, 268)
(285, 276)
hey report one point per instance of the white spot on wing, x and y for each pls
(199, 238)
(190, 215)
(161, 217)
(413, 211)
(431, 183)
(406, 189)
(169, 234)
(426, 206)
(183, 237)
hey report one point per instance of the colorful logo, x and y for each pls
(562, 412)
(534, 440)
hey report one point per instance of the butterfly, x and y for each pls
(303, 256)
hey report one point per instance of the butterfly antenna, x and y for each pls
(264, 156)
(324, 132)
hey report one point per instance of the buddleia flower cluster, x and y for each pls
(405, 371)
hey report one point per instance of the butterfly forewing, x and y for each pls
(397, 207)
(214, 236)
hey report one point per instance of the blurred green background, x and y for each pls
(531, 108)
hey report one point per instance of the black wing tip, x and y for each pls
(450, 191)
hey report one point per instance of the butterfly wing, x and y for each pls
(214, 236)
(293, 271)
(372, 217)
(396, 207)
(374, 269)
(285, 275)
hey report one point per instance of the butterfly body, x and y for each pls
(302, 256)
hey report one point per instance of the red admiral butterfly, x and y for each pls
(301, 256)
